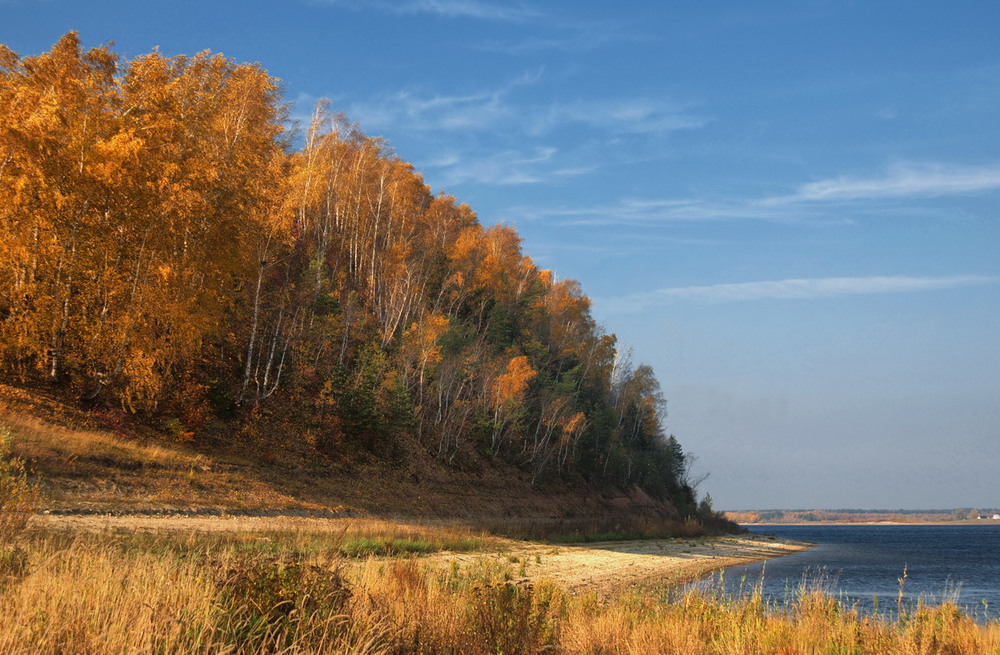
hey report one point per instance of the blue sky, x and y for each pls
(788, 209)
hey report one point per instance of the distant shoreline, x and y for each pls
(956, 523)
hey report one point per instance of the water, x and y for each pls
(859, 563)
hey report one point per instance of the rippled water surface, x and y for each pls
(859, 563)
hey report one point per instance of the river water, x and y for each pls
(862, 565)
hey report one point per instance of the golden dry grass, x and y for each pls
(86, 467)
(18, 497)
(294, 592)
(36, 437)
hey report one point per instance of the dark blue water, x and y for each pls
(862, 565)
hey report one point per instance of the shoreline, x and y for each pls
(606, 568)
(860, 523)
(610, 568)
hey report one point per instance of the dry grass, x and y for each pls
(18, 497)
(81, 445)
(97, 469)
(316, 537)
(295, 592)
(702, 622)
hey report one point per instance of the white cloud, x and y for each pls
(624, 116)
(488, 110)
(808, 203)
(486, 130)
(446, 8)
(638, 211)
(566, 35)
(504, 168)
(410, 112)
(793, 289)
(467, 9)
(405, 111)
(908, 180)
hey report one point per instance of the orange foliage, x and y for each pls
(510, 387)
(156, 233)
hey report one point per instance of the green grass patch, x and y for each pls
(385, 547)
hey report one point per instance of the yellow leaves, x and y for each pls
(510, 387)
(573, 427)
(503, 244)
(466, 248)
(140, 369)
(570, 322)
(456, 279)
(117, 157)
(489, 261)
(155, 217)
(45, 117)
(421, 346)
(428, 335)
(8, 58)
(67, 49)
(121, 147)
(132, 203)
(574, 423)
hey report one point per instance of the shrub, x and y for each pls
(267, 598)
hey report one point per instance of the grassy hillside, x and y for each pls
(106, 461)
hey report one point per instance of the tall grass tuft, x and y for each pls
(18, 501)
(18, 497)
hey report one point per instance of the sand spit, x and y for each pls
(613, 567)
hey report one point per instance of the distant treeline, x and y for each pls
(167, 249)
(853, 515)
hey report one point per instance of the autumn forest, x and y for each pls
(172, 246)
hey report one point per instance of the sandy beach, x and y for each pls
(603, 567)
(612, 567)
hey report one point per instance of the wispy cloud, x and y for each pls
(489, 109)
(566, 35)
(468, 113)
(641, 115)
(639, 211)
(500, 136)
(447, 8)
(469, 9)
(794, 289)
(907, 180)
(808, 203)
(505, 168)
